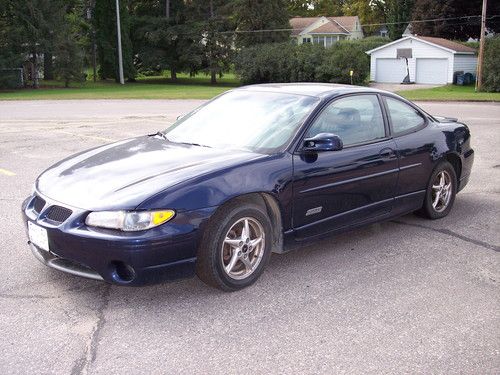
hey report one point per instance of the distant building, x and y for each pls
(428, 60)
(325, 30)
(382, 31)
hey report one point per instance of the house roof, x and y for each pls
(329, 28)
(445, 44)
(300, 23)
(336, 25)
(454, 46)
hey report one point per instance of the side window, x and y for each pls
(403, 117)
(355, 119)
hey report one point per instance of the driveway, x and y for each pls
(405, 296)
(393, 87)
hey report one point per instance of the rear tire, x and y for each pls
(441, 192)
(235, 246)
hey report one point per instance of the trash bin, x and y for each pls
(455, 77)
(460, 79)
(468, 78)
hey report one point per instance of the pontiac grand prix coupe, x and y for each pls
(259, 169)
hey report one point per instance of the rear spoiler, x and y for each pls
(445, 119)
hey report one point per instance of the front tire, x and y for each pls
(441, 192)
(235, 246)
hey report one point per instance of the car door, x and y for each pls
(335, 189)
(416, 152)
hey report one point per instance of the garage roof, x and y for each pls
(445, 44)
(454, 46)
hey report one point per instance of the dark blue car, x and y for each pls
(259, 169)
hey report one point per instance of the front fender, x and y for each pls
(272, 175)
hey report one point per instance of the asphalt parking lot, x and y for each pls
(406, 296)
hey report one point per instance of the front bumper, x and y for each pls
(167, 252)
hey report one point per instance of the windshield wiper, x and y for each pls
(193, 144)
(159, 133)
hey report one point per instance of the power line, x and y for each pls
(469, 18)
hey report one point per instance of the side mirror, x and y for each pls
(323, 142)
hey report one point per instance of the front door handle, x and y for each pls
(387, 153)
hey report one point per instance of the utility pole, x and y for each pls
(167, 9)
(119, 36)
(479, 79)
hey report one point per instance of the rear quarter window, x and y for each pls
(404, 118)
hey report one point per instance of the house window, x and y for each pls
(316, 40)
(306, 40)
(329, 41)
(321, 40)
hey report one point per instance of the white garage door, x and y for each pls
(390, 70)
(432, 71)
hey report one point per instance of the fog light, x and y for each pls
(123, 272)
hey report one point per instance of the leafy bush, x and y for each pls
(286, 62)
(343, 58)
(491, 65)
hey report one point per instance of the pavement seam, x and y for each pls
(452, 234)
(82, 364)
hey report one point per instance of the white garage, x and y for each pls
(428, 60)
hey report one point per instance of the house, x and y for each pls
(325, 30)
(429, 60)
(383, 31)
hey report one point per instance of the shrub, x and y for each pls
(343, 58)
(265, 63)
(491, 65)
(287, 62)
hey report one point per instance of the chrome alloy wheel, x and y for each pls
(441, 191)
(243, 248)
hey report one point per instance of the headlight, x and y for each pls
(129, 220)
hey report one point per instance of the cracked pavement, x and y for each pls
(405, 296)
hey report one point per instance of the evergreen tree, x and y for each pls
(252, 15)
(213, 18)
(106, 39)
(397, 12)
(68, 59)
(163, 42)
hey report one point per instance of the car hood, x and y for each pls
(123, 174)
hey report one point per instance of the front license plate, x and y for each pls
(38, 236)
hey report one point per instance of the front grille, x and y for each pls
(38, 204)
(58, 214)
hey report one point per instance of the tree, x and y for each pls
(68, 59)
(34, 25)
(397, 15)
(213, 19)
(491, 79)
(459, 29)
(252, 15)
(162, 42)
(368, 13)
(106, 38)
(313, 8)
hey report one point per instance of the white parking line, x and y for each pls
(6, 172)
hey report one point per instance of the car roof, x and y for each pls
(310, 89)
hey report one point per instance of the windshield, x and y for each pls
(261, 122)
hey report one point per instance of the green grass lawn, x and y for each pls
(450, 92)
(160, 87)
(199, 87)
